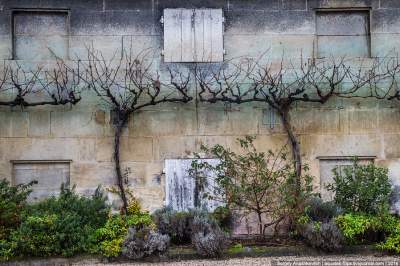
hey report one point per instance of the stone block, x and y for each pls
(269, 22)
(192, 4)
(52, 149)
(39, 124)
(150, 198)
(109, 46)
(341, 145)
(389, 4)
(5, 47)
(385, 45)
(122, 22)
(163, 123)
(19, 124)
(363, 121)
(385, 21)
(148, 46)
(212, 121)
(271, 48)
(294, 4)
(74, 124)
(144, 174)
(173, 147)
(312, 4)
(74, 5)
(88, 176)
(137, 5)
(136, 149)
(316, 121)
(87, 150)
(5, 23)
(14, 148)
(388, 120)
(254, 5)
(13, 124)
(391, 146)
(104, 149)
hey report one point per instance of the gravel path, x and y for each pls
(282, 261)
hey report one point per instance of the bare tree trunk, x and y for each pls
(260, 223)
(122, 120)
(295, 147)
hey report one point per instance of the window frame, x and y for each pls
(15, 11)
(339, 10)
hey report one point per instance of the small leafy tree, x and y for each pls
(361, 188)
(252, 182)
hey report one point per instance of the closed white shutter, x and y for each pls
(193, 35)
(180, 186)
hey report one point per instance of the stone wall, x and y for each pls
(83, 134)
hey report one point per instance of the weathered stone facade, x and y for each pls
(83, 133)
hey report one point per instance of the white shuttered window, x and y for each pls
(193, 35)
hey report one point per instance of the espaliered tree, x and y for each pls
(282, 86)
(127, 85)
(21, 87)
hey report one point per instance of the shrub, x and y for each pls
(224, 217)
(392, 242)
(91, 210)
(109, 239)
(207, 237)
(60, 226)
(361, 188)
(360, 228)
(252, 181)
(196, 226)
(144, 242)
(320, 211)
(175, 224)
(323, 235)
(12, 204)
(317, 226)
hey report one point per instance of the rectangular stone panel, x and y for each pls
(49, 175)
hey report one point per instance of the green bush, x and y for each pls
(92, 210)
(108, 239)
(361, 188)
(12, 204)
(59, 225)
(363, 228)
(392, 242)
